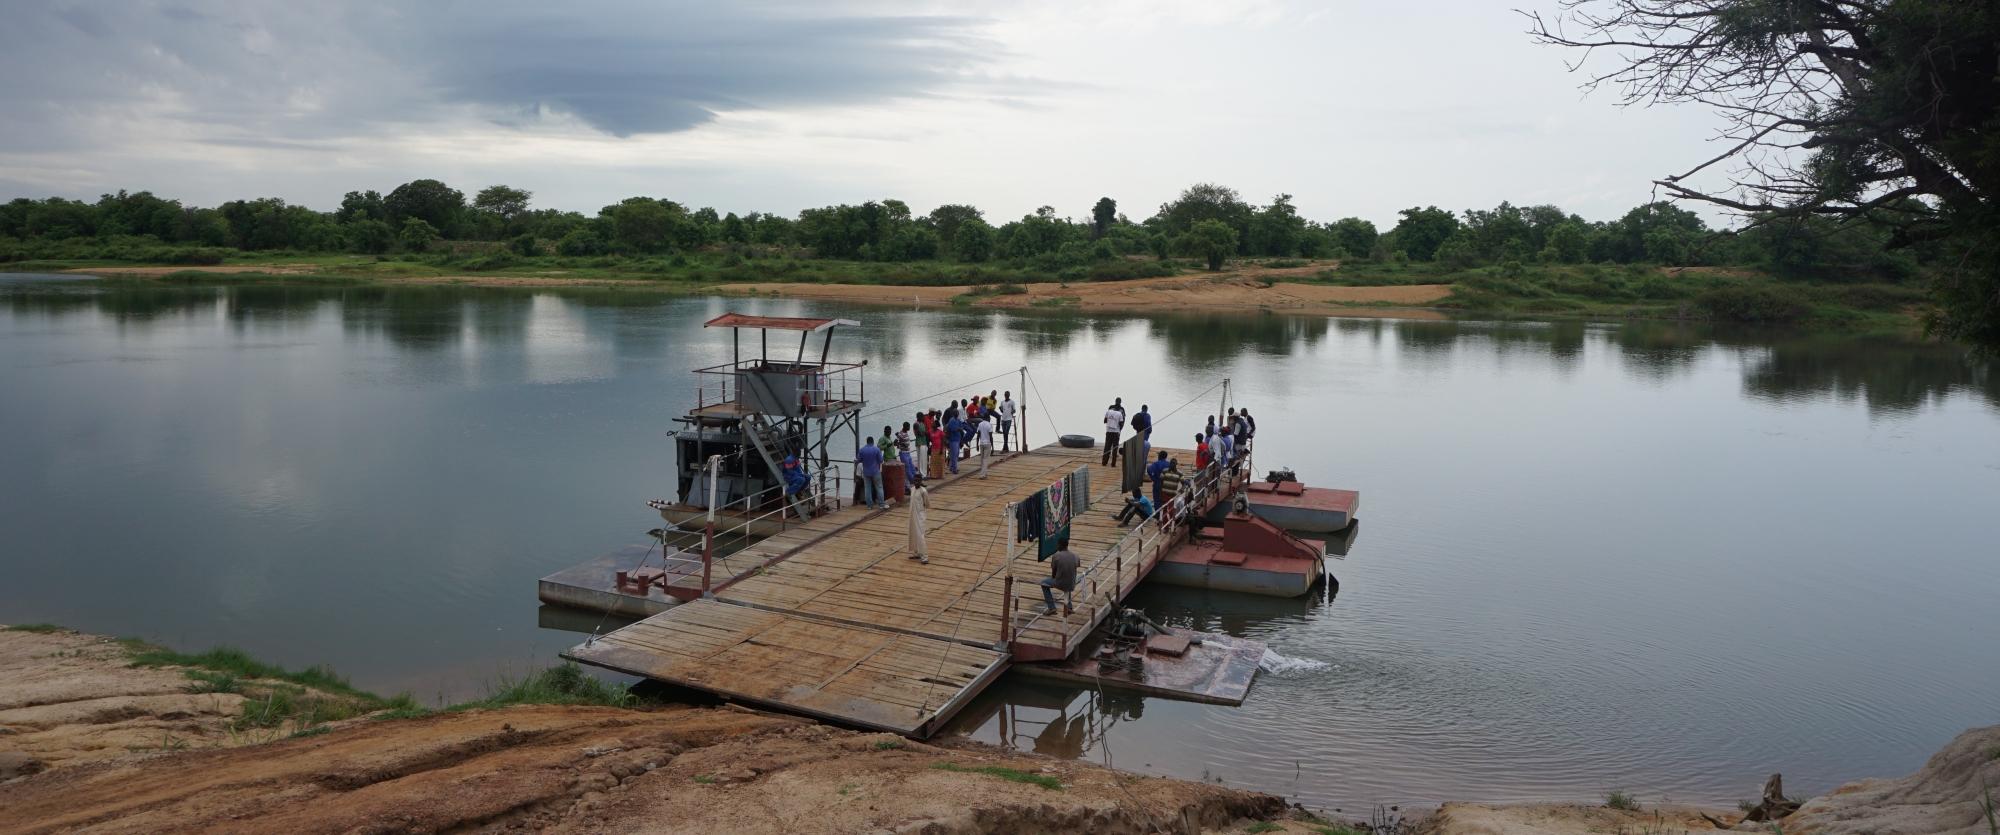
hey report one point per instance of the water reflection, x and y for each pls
(1572, 525)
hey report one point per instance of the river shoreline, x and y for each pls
(1319, 288)
(91, 742)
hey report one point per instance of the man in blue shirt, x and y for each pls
(1155, 472)
(870, 459)
(954, 438)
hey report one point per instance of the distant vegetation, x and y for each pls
(1534, 260)
(497, 229)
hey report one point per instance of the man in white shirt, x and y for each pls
(1006, 421)
(985, 436)
(1114, 422)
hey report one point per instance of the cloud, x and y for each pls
(264, 72)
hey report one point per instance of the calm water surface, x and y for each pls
(1592, 556)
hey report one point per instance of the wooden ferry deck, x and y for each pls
(841, 624)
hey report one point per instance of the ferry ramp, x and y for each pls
(846, 627)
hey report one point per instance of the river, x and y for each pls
(1644, 556)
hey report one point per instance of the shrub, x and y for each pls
(1621, 800)
(1763, 304)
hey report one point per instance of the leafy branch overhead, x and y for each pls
(1885, 112)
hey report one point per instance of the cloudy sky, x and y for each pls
(1353, 107)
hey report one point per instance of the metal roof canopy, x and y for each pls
(783, 323)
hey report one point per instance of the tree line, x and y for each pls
(1208, 222)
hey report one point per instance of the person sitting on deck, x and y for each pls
(1062, 575)
(1155, 472)
(954, 441)
(869, 458)
(1135, 505)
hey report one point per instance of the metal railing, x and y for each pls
(833, 382)
(1195, 491)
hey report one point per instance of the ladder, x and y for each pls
(763, 437)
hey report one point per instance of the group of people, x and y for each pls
(940, 438)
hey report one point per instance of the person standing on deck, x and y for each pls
(951, 411)
(1006, 409)
(920, 505)
(1114, 422)
(1201, 454)
(1251, 423)
(1156, 472)
(937, 449)
(903, 444)
(1170, 484)
(992, 400)
(1142, 423)
(1062, 575)
(985, 442)
(954, 441)
(870, 460)
(1228, 456)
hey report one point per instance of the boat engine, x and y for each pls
(1282, 475)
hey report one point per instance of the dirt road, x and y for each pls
(1233, 291)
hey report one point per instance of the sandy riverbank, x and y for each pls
(1249, 288)
(89, 743)
(1241, 291)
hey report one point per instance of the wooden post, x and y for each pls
(708, 531)
(1023, 417)
(1007, 611)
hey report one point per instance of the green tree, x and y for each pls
(580, 241)
(1422, 231)
(734, 230)
(947, 219)
(1205, 201)
(1566, 242)
(506, 201)
(525, 244)
(436, 204)
(973, 241)
(1102, 216)
(361, 205)
(1838, 108)
(641, 224)
(1457, 252)
(1276, 229)
(1210, 240)
(370, 235)
(417, 234)
(1356, 237)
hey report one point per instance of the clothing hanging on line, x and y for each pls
(1080, 495)
(1029, 516)
(1133, 472)
(1051, 543)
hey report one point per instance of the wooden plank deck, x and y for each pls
(789, 634)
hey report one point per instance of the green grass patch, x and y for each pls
(37, 628)
(1012, 775)
(705, 779)
(1621, 800)
(888, 744)
(315, 730)
(565, 684)
(238, 663)
(1338, 829)
(210, 681)
(1263, 826)
(204, 277)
